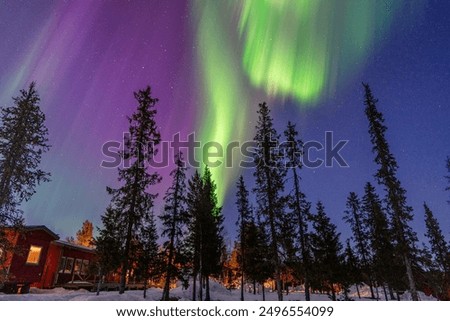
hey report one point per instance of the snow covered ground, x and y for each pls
(218, 293)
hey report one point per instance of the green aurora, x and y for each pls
(279, 49)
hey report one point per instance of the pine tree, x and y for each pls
(212, 230)
(440, 252)
(379, 237)
(132, 200)
(326, 248)
(439, 246)
(355, 217)
(269, 173)
(448, 176)
(232, 271)
(109, 244)
(244, 223)
(147, 252)
(352, 271)
(193, 240)
(23, 141)
(293, 152)
(258, 266)
(401, 213)
(174, 220)
(205, 240)
(85, 234)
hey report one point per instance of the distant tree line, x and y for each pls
(282, 238)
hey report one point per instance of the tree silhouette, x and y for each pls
(401, 213)
(132, 201)
(327, 252)
(297, 201)
(355, 217)
(174, 220)
(23, 142)
(440, 251)
(269, 173)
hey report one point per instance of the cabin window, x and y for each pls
(77, 267)
(69, 265)
(34, 255)
(62, 264)
(85, 267)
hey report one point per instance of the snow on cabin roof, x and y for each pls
(74, 246)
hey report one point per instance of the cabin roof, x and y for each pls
(74, 246)
(41, 228)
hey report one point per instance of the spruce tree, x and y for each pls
(326, 249)
(132, 200)
(23, 142)
(194, 239)
(205, 240)
(379, 237)
(440, 254)
(146, 248)
(85, 235)
(270, 173)
(244, 223)
(448, 176)
(401, 213)
(174, 220)
(293, 150)
(439, 247)
(352, 271)
(355, 217)
(109, 244)
(258, 266)
(212, 232)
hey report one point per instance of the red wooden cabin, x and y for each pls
(42, 260)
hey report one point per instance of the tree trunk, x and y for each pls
(166, 290)
(125, 262)
(385, 293)
(357, 290)
(242, 287)
(333, 293)
(371, 288)
(200, 287)
(391, 293)
(302, 235)
(254, 287)
(263, 292)
(273, 231)
(307, 290)
(378, 293)
(207, 294)
(411, 282)
(145, 288)
(194, 287)
(99, 282)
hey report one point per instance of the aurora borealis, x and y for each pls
(298, 48)
(210, 63)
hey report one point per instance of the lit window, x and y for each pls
(69, 265)
(34, 254)
(77, 267)
(62, 264)
(85, 268)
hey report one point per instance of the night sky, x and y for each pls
(210, 63)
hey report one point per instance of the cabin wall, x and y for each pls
(20, 270)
